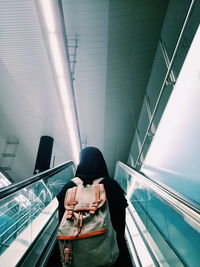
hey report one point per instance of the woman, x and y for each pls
(92, 166)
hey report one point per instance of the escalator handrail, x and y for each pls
(181, 204)
(13, 188)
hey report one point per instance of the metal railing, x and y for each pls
(168, 73)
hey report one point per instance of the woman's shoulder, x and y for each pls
(114, 191)
(111, 182)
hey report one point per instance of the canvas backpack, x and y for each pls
(85, 235)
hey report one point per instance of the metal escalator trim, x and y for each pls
(27, 239)
(150, 249)
(132, 248)
(151, 253)
(47, 250)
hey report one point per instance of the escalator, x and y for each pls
(29, 217)
(162, 227)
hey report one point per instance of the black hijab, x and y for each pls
(92, 165)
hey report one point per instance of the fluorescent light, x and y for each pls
(48, 15)
(64, 92)
(60, 67)
(68, 115)
(56, 53)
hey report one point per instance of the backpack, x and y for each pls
(85, 235)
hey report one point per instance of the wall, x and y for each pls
(173, 157)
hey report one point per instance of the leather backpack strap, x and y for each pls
(97, 199)
(77, 181)
(72, 202)
(98, 180)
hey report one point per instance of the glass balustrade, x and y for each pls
(173, 232)
(20, 209)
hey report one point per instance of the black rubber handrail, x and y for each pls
(13, 188)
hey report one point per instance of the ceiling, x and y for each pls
(117, 40)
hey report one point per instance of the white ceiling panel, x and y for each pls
(29, 103)
(117, 42)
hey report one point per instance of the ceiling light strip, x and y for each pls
(52, 21)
